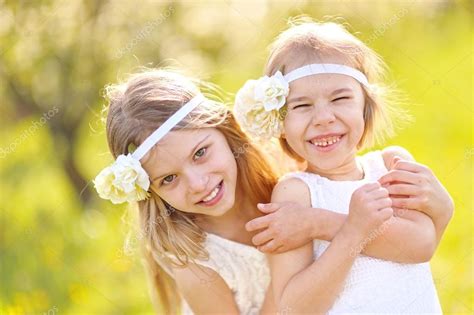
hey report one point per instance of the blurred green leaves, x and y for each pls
(62, 250)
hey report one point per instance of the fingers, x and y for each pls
(380, 193)
(405, 203)
(410, 166)
(383, 203)
(262, 237)
(394, 161)
(370, 187)
(386, 213)
(258, 223)
(403, 189)
(399, 176)
(279, 250)
(269, 247)
(399, 212)
(268, 207)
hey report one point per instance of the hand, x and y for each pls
(414, 186)
(369, 208)
(286, 226)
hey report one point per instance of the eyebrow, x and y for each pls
(190, 154)
(341, 91)
(296, 99)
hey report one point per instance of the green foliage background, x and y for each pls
(62, 249)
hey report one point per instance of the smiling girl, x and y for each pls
(174, 151)
(325, 100)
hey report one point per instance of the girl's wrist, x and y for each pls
(356, 236)
(326, 224)
(350, 239)
(318, 224)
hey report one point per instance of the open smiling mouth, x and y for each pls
(327, 143)
(214, 196)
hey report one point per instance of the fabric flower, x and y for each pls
(258, 104)
(124, 180)
(272, 91)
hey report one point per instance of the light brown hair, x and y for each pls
(307, 41)
(171, 237)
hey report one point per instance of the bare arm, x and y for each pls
(301, 285)
(283, 227)
(269, 306)
(408, 237)
(207, 293)
(204, 290)
(414, 186)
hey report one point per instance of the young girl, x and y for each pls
(175, 156)
(323, 99)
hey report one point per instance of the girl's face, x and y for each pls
(324, 123)
(194, 171)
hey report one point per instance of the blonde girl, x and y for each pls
(323, 98)
(174, 151)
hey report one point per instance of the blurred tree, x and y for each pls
(55, 58)
(50, 60)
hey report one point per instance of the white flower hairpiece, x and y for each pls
(126, 180)
(258, 104)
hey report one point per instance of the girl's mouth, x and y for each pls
(214, 196)
(326, 144)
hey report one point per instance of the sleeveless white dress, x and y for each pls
(244, 269)
(373, 285)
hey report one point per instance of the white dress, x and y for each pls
(244, 269)
(373, 285)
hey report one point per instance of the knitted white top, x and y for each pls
(244, 269)
(373, 285)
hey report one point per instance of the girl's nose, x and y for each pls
(197, 182)
(323, 115)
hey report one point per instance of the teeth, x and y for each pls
(327, 141)
(212, 195)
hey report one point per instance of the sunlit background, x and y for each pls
(62, 249)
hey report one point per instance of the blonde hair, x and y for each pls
(306, 40)
(171, 237)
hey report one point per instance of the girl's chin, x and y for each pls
(323, 167)
(218, 211)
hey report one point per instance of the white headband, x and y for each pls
(126, 180)
(258, 103)
(167, 126)
(320, 68)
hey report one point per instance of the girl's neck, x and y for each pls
(231, 225)
(348, 171)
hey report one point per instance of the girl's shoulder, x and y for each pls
(384, 159)
(293, 178)
(198, 285)
(295, 187)
(389, 153)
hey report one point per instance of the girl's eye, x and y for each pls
(168, 179)
(301, 106)
(341, 98)
(199, 153)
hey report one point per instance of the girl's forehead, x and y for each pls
(176, 146)
(182, 141)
